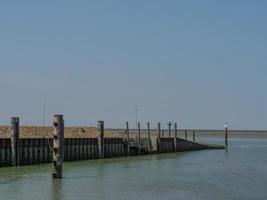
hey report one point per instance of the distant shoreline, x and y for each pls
(38, 132)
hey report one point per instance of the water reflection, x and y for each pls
(56, 190)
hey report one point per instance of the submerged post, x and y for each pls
(185, 134)
(194, 136)
(58, 145)
(139, 139)
(15, 141)
(170, 128)
(128, 138)
(101, 139)
(159, 137)
(226, 135)
(148, 136)
(175, 137)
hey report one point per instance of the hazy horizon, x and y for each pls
(196, 63)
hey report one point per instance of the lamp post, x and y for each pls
(226, 135)
(170, 126)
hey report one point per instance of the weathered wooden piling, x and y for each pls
(226, 135)
(148, 137)
(175, 137)
(15, 147)
(159, 138)
(185, 134)
(194, 136)
(128, 138)
(58, 146)
(101, 139)
(139, 138)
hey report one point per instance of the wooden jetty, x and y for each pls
(31, 151)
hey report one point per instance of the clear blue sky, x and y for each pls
(199, 63)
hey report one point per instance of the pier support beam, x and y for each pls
(194, 136)
(185, 134)
(101, 139)
(148, 137)
(139, 138)
(58, 146)
(128, 138)
(159, 137)
(15, 141)
(175, 137)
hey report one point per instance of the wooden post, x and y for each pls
(128, 138)
(226, 135)
(175, 137)
(194, 136)
(101, 139)
(159, 137)
(185, 134)
(15, 141)
(58, 146)
(139, 139)
(148, 136)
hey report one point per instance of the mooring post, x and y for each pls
(185, 134)
(58, 145)
(170, 128)
(15, 141)
(148, 136)
(101, 139)
(194, 136)
(226, 135)
(128, 138)
(159, 137)
(175, 137)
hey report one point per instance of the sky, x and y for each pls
(197, 63)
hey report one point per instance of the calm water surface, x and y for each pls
(240, 173)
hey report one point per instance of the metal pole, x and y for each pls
(148, 135)
(101, 139)
(175, 137)
(159, 137)
(58, 146)
(170, 128)
(44, 108)
(139, 138)
(128, 138)
(136, 117)
(226, 135)
(15, 141)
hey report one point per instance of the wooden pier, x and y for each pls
(39, 150)
(15, 151)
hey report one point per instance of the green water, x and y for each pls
(240, 173)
